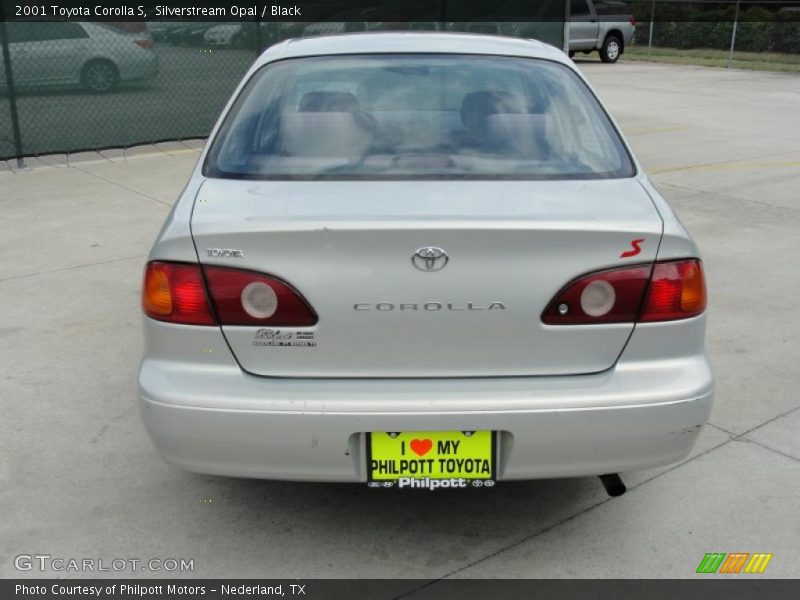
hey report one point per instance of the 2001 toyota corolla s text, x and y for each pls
(421, 260)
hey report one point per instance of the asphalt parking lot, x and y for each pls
(79, 477)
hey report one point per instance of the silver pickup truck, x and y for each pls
(607, 27)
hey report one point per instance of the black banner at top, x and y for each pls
(400, 11)
(288, 10)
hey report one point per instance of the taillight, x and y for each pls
(143, 43)
(611, 296)
(249, 298)
(662, 292)
(174, 292)
(677, 291)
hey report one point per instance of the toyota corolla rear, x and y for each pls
(421, 260)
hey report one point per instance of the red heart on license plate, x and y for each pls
(421, 447)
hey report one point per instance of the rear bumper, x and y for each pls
(214, 418)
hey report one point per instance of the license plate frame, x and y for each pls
(428, 472)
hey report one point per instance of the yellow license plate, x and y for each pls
(431, 459)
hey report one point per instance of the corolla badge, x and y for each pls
(430, 258)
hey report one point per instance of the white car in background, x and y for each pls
(67, 54)
(229, 34)
(334, 27)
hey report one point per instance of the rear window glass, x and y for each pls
(416, 117)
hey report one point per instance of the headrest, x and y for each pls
(477, 106)
(520, 133)
(329, 135)
(326, 101)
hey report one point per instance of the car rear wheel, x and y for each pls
(611, 49)
(100, 76)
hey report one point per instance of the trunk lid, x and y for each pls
(347, 247)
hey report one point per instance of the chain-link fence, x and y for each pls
(82, 86)
(89, 86)
(748, 34)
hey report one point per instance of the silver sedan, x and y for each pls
(421, 260)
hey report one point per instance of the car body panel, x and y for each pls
(409, 42)
(205, 414)
(347, 248)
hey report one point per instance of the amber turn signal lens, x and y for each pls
(174, 292)
(156, 296)
(693, 294)
(677, 291)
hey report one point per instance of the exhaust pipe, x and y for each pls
(613, 484)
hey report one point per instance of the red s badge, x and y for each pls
(636, 249)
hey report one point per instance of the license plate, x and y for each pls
(431, 459)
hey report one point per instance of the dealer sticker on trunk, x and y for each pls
(431, 459)
(284, 338)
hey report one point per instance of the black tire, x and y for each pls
(100, 76)
(611, 49)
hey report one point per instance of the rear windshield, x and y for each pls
(416, 117)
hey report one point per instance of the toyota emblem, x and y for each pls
(430, 258)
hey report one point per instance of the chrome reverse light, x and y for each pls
(259, 300)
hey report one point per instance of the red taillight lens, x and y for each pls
(145, 43)
(677, 291)
(248, 298)
(174, 292)
(632, 21)
(612, 296)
